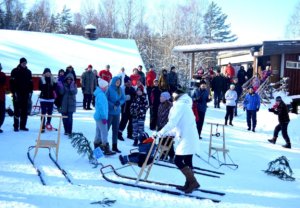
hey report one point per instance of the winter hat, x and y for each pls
(102, 83)
(108, 66)
(165, 95)
(232, 85)
(126, 79)
(172, 67)
(250, 88)
(22, 60)
(278, 99)
(141, 87)
(47, 70)
(90, 66)
(178, 93)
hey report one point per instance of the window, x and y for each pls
(292, 65)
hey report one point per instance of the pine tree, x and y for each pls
(64, 21)
(215, 28)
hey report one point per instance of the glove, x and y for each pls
(128, 97)
(157, 135)
(257, 109)
(244, 109)
(117, 103)
(104, 121)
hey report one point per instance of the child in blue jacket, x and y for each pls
(251, 104)
(101, 116)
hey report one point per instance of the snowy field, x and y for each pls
(57, 51)
(248, 186)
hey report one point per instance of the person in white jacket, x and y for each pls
(230, 97)
(182, 122)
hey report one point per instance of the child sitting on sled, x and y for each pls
(140, 156)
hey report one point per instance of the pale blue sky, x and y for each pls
(251, 20)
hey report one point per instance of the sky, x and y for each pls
(251, 20)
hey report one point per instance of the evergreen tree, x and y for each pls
(2, 15)
(64, 20)
(215, 28)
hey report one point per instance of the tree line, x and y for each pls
(156, 30)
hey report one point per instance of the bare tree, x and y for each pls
(293, 27)
(129, 16)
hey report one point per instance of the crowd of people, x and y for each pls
(122, 101)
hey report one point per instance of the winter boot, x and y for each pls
(273, 140)
(120, 137)
(97, 145)
(107, 151)
(182, 188)
(192, 183)
(225, 122)
(287, 145)
(115, 148)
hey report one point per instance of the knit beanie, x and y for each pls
(47, 70)
(22, 60)
(165, 95)
(102, 83)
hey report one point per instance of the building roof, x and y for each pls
(215, 47)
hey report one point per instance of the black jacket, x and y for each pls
(282, 112)
(21, 82)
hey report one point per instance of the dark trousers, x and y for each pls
(251, 116)
(20, 113)
(87, 99)
(47, 108)
(138, 127)
(2, 112)
(283, 128)
(149, 90)
(114, 121)
(182, 161)
(126, 120)
(68, 122)
(153, 118)
(200, 122)
(217, 99)
(229, 113)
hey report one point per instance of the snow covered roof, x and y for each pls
(57, 51)
(215, 47)
(89, 26)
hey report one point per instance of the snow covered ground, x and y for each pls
(57, 51)
(248, 186)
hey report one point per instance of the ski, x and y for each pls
(39, 173)
(177, 193)
(196, 172)
(159, 183)
(63, 172)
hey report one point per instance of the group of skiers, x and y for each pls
(172, 111)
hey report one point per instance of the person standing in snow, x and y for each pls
(182, 123)
(163, 83)
(116, 97)
(101, 116)
(154, 104)
(2, 97)
(217, 85)
(142, 75)
(138, 109)
(60, 80)
(150, 77)
(135, 77)
(68, 90)
(105, 74)
(251, 104)
(281, 110)
(201, 97)
(231, 97)
(21, 86)
(47, 86)
(172, 79)
(88, 85)
(126, 118)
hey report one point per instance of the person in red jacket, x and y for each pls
(150, 77)
(2, 97)
(105, 74)
(135, 77)
(229, 71)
